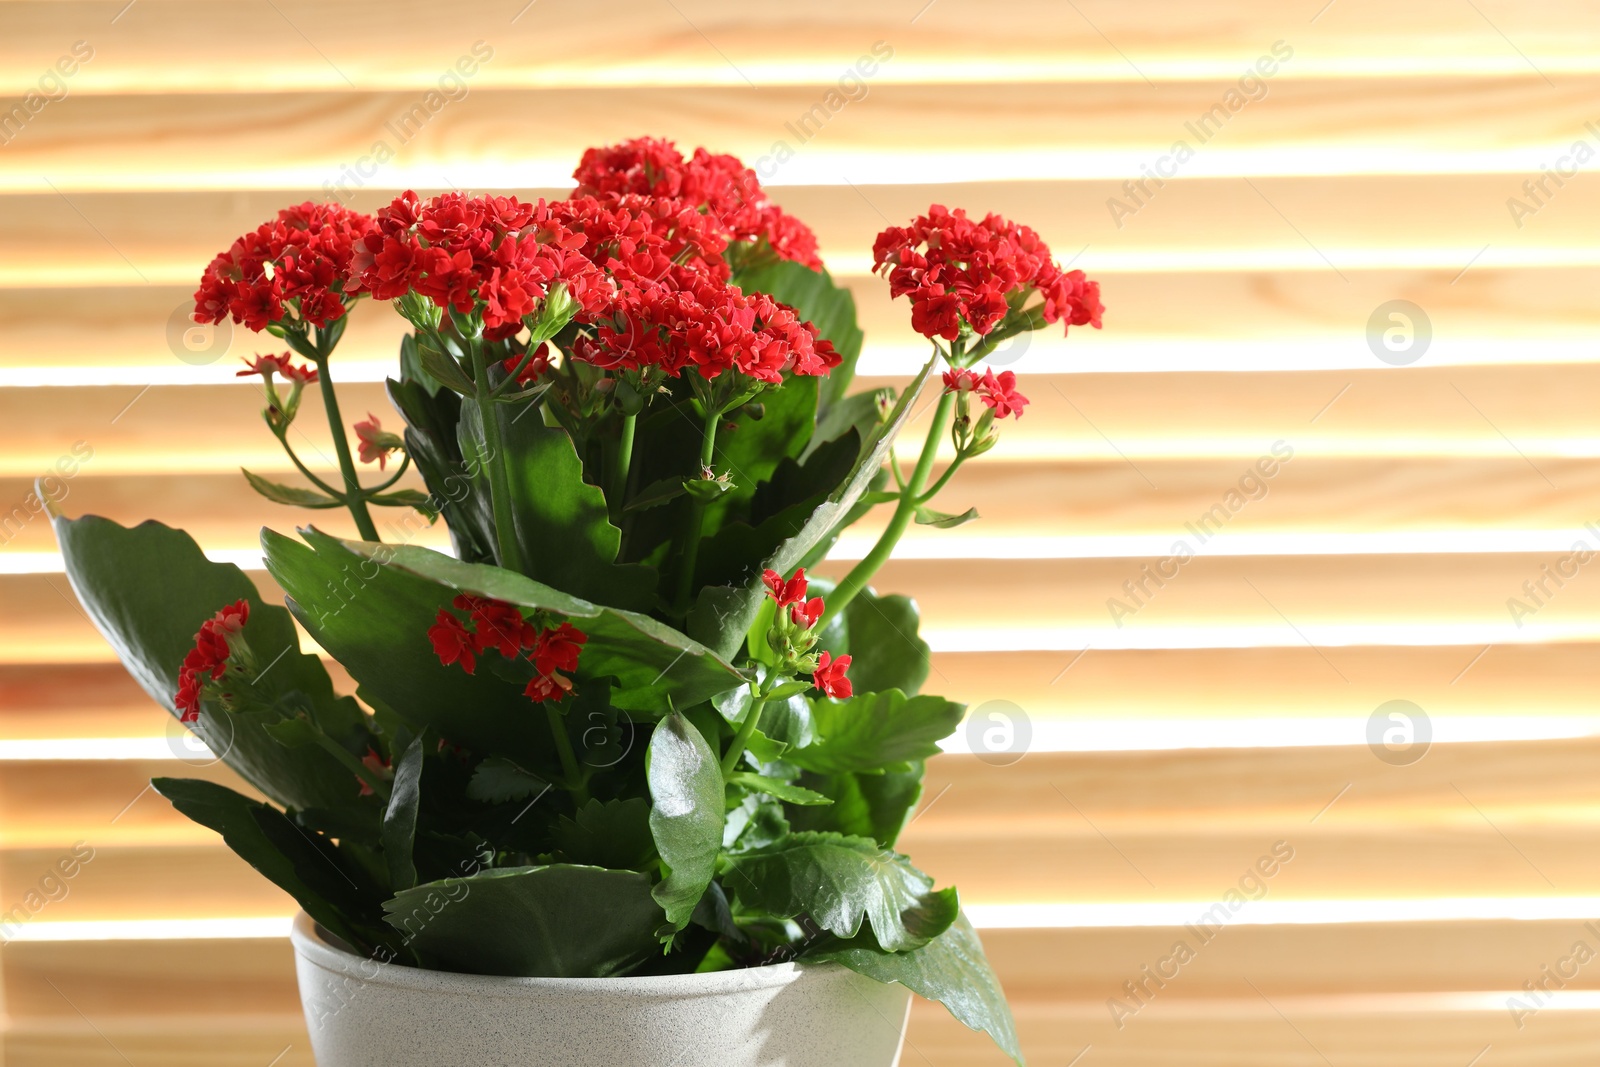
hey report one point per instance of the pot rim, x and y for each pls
(316, 945)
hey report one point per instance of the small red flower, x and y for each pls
(498, 625)
(960, 381)
(805, 613)
(452, 642)
(209, 657)
(558, 649)
(548, 687)
(1001, 394)
(785, 593)
(375, 444)
(829, 676)
(536, 365)
(266, 366)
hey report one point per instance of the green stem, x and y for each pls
(505, 530)
(910, 497)
(944, 480)
(303, 469)
(689, 556)
(569, 761)
(752, 717)
(621, 463)
(341, 448)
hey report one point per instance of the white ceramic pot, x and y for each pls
(362, 1013)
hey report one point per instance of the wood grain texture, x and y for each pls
(295, 139)
(184, 46)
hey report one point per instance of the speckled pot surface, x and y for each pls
(365, 1014)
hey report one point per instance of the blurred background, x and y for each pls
(1278, 628)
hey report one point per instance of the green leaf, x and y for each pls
(289, 494)
(307, 868)
(686, 818)
(864, 805)
(370, 606)
(834, 879)
(400, 820)
(445, 370)
(148, 589)
(611, 833)
(776, 787)
(881, 638)
(562, 525)
(431, 421)
(500, 781)
(950, 969)
(870, 731)
(722, 615)
(407, 498)
(926, 516)
(829, 307)
(559, 921)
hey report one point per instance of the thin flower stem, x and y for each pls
(690, 554)
(405, 462)
(623, 461)
(353, 499)
(747, 727)
(575, 783)
(944, 480)
(303, 469)
(863, 571)
(505, 531)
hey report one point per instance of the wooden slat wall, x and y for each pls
(1377, 165)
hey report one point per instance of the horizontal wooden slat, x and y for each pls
(1108, 502)
(1285, 601)
(1358, 223)
(1467, 820)
(1314, 126)
(1504, 413)
(171, 46)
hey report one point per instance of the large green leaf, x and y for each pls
(611, 833)
(370, 606)
(148, 589)
(306, 867)
(870, 731)
(950, 969)
(431, 419)
(686, 818)
(562, 526)
(722, 615)
(880, 635)
(559, 921)
(864, 805)
(831, 309)
(836, 880)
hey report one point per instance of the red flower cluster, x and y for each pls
(955, 269)
(687, 319)
(636, 236)
(209, 657)
(829, 675)
(999, 392)
(455, 250)
(721, 185)
(291, 268)
(267, 366)
(495, 624)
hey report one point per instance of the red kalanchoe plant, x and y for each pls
(630, 410)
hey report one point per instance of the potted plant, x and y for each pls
(619, 782)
